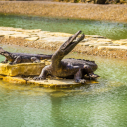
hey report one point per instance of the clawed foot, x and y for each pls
(11, 63)
(93, 76)
(3, 62)
(36, 61)
(82, 81)
(38, 78)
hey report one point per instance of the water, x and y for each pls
(103, 104)
(112, 30)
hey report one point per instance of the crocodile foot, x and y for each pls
(38, 78)
(93, 76)
(82, 81)
(11, 63)
(3, 62)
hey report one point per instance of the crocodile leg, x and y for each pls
(5, 61)
(88, 70)
(43, 74)
(78, 76)
(17, 60)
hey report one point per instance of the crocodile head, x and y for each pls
(65, 48)
(1, 49)
(3, 52)
(71, 43)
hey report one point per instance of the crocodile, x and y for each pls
(69, 68)
(16, 58)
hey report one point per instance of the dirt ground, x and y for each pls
(65, 10)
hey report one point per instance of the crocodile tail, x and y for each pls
(46, 57)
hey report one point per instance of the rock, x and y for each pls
(61, 83)
(26, 69)
(86, 43)
(52, 40)
(112, 47)
(3, 33)
(58, 34)
(7, 28)
(52, 83)
(31, 31)
(94, 36)
(121, 42)
(104, 43)
(19, 36)
(104, 40)
(114, 44)
(18, 29)
(55, 39)
(32, 38)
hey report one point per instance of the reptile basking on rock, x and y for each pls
(68, 68)
(16, 58)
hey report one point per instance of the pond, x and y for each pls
(112, 30)
(102, 104)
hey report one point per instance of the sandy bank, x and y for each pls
(65, 10)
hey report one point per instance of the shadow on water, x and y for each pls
(112, 30)
(95, 105)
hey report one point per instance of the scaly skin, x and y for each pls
(16, 58)
(67, 68)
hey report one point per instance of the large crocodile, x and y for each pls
(16, 58)
(68, 68)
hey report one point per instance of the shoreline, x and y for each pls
(109, 12)
(92, 44)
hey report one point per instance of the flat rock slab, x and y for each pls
(32, 38)
(104, 40)
(54, 83)
(2, 33)
(26, 69)
(112, 47)
(19, 36)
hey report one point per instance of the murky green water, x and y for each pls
(103, 104)
(111, 30)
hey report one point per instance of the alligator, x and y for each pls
(16, 58)
(69, 68)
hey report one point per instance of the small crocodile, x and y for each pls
(68, 68)
(16, 58)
